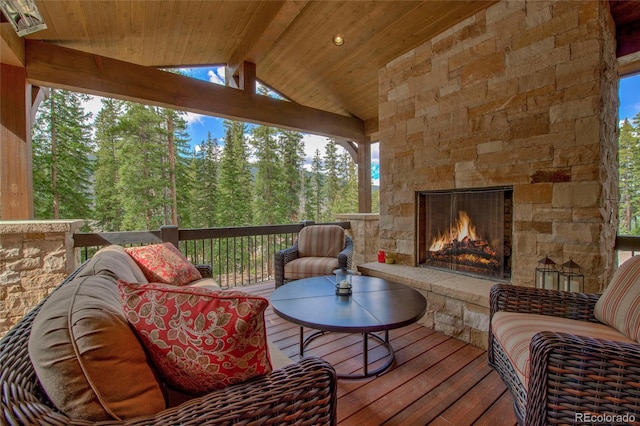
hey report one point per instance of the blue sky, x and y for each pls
(629, 97)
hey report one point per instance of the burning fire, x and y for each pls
(461, 230)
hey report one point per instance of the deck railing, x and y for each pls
(238, 255)
(627, 246)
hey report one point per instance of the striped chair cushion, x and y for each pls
(305, 267)
(514, 332)
(619, 305)
(321, 241)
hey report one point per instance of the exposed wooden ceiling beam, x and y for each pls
(55, 66)
(11, 46)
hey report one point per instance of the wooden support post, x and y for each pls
(170, 234)
(16, 180)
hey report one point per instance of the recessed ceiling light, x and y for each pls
(338, 40)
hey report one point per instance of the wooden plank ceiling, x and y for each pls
(289, 41)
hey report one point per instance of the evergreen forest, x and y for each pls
(134, 167)
(629, 176)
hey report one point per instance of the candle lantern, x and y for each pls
(571, 277)
(343, 281)
(547, 274)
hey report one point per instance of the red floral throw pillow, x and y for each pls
(164, 263)
(199, 340)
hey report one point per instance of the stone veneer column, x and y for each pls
(364, 231)
(522, 94)
(35, 256)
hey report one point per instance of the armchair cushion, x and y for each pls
(619, 305)
(199, 340)
(164, 263)
(305, 267)
(321, 241)
(514, 332)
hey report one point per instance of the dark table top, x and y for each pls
(375, 304)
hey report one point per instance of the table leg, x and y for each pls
(301, 342)
(365, 353)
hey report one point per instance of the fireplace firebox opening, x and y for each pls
(466, 231)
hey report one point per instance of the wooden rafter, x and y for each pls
(54, 66)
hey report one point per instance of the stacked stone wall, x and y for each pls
(35, 256)
(522, 94)
(364, 231)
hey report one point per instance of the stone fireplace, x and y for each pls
(521, 95)
(466, 231)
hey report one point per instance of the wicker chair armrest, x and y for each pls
(346, 255)
(572, 374)
(281, 258)
(288, 254)
(205, 270)
(510, 298)
(300, 393)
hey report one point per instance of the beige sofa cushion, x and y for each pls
(86, 356)
(208, 283)
(514, 332)
(113, 261)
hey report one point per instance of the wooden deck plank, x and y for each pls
(495, 415)
(434, 380)
(395, 401)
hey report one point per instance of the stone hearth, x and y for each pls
(457, 305)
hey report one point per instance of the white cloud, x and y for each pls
(217, 75)
(192, 117)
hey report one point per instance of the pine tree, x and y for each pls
(314, 189)
(269, 176)
(628, 169)
(205, 167)
(347, 198)
(332, 173)
(235, 183)
(108, 210)
(182, 181)
(62, 150)
(141, 170)
(291, 149)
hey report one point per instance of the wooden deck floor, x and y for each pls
(435, 379)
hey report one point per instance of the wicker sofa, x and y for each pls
(299, 393)
(569, 358)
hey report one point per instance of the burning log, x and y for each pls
(462, 246)
(469, 252)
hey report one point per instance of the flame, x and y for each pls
(461, 230)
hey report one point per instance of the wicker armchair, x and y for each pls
(571, 376)
(319, 250)
(300, 393)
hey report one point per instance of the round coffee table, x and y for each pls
(376, 305)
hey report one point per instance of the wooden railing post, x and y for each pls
(170, 234)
